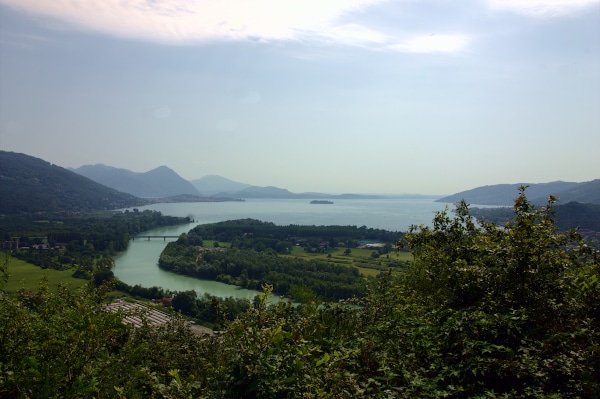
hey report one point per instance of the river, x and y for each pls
(139, 264)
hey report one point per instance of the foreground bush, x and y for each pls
(484, 311)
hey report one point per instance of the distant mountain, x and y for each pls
(212, 185)
(588, 192)
(157, 183)
(29, 184)
(221, 187)
(504, 194)
(265, 192)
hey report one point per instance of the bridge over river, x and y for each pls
(149, 237)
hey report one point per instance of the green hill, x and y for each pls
(588, 192)
(29, 184)
(571, 215)
(504, 194)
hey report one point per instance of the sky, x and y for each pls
(335, 96)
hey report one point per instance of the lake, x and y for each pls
(388, 214)
(139, 264)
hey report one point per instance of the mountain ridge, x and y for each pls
(210, 186)
(504, 194)
(30, 184)
(163, 182)
(159, 182)
(213, 185)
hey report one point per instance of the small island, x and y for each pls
(321, 202)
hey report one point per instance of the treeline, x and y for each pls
(206, 307)
(252, 269)
(251, 260)
(585, 217)
(259, 235)
(85, 243)
(482, 312)
(568, 216)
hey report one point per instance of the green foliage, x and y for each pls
(4, 274)
(85, 243)
(482, 312)
(252, 269)
(206, 308)
(262, 253)
(251, 233)
(516, 306)
(65, 345)
(584, 217)
(281, 352)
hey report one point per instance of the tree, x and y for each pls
(4, 275)
(244, 278)
(102, 276)
(185, 302)
(509, 310)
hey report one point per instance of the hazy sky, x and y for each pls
(400, 96)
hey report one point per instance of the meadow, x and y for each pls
(26, 276)
(361, 258)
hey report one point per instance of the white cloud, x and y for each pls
(197, 20)
(433, 43)
(355, 34)
(541, 8)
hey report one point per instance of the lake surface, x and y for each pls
(139, 264)
(388, 214)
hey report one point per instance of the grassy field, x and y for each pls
(359, 257)
(28, 276)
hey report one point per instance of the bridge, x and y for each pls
(149, 237)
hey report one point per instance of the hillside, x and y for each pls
(570, 215)
(266, 192)
(212, 185)
(588, 192)
(158, 183)
(29, 184)
(504, 194)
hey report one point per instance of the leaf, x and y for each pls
(323, 360)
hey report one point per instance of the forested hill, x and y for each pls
(29, 184)
(585, 217)
(504, 194)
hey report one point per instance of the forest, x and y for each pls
(586, 216)
(259, 254)
(483, 311)
(85, 243)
